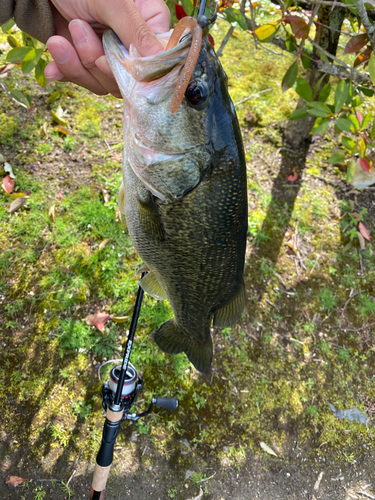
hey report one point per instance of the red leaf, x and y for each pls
(356, 43)
(211, 40)
(99, 320)
(8, 184)
(293, 177)
(60, 195)
(14, 481)
(299, 27)
(360, 117)
(99, 325)
(363, 231)
(365, 165)
(180, 12)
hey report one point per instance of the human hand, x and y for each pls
(77, 48)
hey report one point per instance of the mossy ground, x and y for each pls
(306, 338)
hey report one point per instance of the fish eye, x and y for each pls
(196, 93)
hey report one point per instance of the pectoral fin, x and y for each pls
(150, 284)
(121, 199)
(231, 312)
(149, 216)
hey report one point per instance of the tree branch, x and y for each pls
(370, 30)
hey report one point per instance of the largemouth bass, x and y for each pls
(184, 189)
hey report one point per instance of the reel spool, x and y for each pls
(130, 381)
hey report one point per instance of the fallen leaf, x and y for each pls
(364, 232)
(293, 177)
(62, 130)
(51, 213)
(17, 203)
(14, 481)
(120, 319)
(361, 240)
(103, 244)
(44, 129)
(58, 116)
(267, 449)
(2, 159)
(18, 195)
(8, 184)
(99, 320)
(8, 168)
(60, 195)
(200, 495)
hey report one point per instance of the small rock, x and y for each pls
(188, 474)
(134, 437)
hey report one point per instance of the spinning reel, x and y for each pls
(133, 383)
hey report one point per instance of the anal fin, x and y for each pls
(231, 312)
(150, 284)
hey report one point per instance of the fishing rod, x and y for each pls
(119, 395)
(121, 390)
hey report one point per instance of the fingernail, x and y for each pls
(78, 32)
(58, 52)
(50, 74)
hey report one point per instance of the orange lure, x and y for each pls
(196, 32)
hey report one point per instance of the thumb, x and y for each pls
(130, 24)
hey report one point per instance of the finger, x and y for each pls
(103, 65)
(69, 64)
(89, 48)
(155, 13)
(123, 17)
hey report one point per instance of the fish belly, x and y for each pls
(195, 246)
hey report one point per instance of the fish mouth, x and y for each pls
(149, 68)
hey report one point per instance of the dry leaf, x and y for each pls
(51, 213)
(267, 449)
(200, 495)
(361, 240)
(364, 231)
(44, 129)
(103, 244)
(17, 203)
(14, 481)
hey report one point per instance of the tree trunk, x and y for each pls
(297, 131)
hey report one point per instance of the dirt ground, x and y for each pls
(140, 472)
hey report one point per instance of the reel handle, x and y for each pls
(168, 403)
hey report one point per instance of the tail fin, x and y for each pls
(171, 341)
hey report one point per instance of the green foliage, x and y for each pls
(33, 55)
(327, 299)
